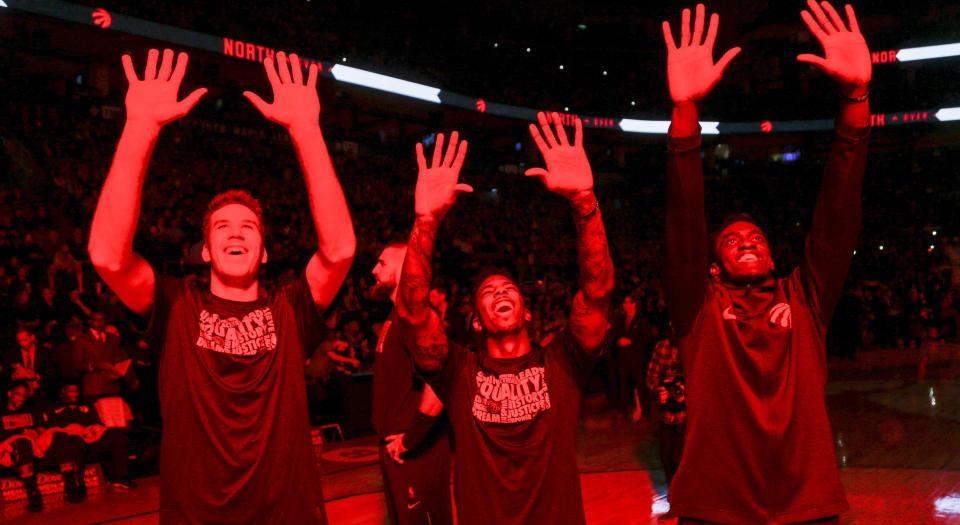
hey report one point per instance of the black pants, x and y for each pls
(418, 492)
(116, 442)
(672, 438)
(63, 449)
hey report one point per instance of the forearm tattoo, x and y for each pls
(430, 340)
(596, 271)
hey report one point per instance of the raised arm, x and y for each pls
(436, 191)
(838, 213)
(151, 103)
(568, 174)
(691, 74)
(296, 107)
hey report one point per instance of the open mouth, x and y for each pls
(235, 250)
(503, 307)
(748, 257)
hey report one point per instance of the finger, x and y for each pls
(437, 151)
(561, 133)
(296, 69)
(578, 133)
(813, 26)
(712, 31)
(538, 139)
(834, 16)
(269, 67)
(282, 68)
(724, 61)
(185, 105)
(451, 149)
(462, 188)
(698, 25)
(852, 19)
(685, 28)
(180, 69)
(545, 128)
(461, 155)
(813, 60)
(821, 17)
(166, 65)
(257, 102)
(539, 173)
(128, 69)
(150, 72)
(421, 160)
(312, 77)
(668, 37)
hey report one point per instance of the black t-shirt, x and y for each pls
(15, 422)
(236, 438)
(515, 422)
(61, 414)
(397, 386)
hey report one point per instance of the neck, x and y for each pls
(393, 295)
(230, 291)
(508, 345)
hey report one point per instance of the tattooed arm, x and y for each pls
(568, 174)
(436, 191)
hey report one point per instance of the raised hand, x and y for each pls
(691, 72)
(568, 171)
(437, 186)
(153, 100)
(294, 103)
(847, 56)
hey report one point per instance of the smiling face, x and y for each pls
(499, 306)
(743, 254)
(234, 245)
(16, 397)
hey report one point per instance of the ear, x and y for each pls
(205, 253)
(477, 327)
(263, 256)
(714, 269)
(527, 316)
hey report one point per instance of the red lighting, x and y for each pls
(101, 18)
(766, 126)
(481, 105)
(879, 120)
(884, 57)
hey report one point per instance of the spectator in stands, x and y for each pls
(79, 420)
(101, 360)
(29, 362)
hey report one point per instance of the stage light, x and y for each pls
(881, 247)
(928, 52)
(661, 126)
(496, 44)
(934, 233)
(344, 59)
(528, 50)
(561, 67)
(930, 249)
(566, 108)
(944, 114)
(633, 102)
(604, 73)
(948, 504)
(393, 85)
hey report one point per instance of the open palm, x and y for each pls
(294, 102)
(568, 170)
(153, 100)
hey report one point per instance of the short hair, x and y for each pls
(485, 273)
(19, 382)
(241, 197)
(714, 237)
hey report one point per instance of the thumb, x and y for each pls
(536, 172)
(463, 188)
(257, 102)
(813, 60)
(187, 104)
(724, 61)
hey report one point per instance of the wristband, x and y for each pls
(854, 100)
(415, 436)
(596, 206)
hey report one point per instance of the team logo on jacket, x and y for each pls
(780, 316)
(511, 398)
(248, 336)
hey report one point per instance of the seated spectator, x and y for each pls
(79, 420)
(23, 443)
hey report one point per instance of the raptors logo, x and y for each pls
(780, 316)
